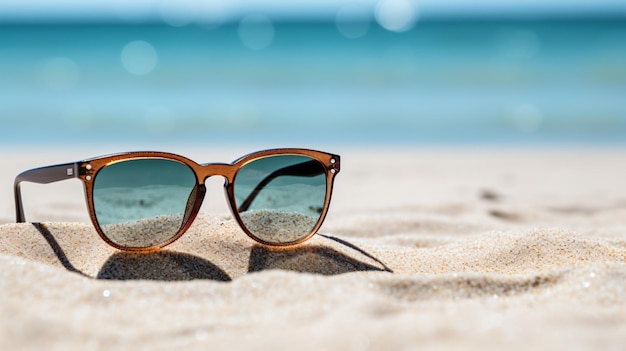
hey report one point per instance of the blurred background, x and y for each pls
(310, 72)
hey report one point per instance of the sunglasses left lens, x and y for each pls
(142, 203)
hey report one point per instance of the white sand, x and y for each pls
(145, 232)
(511, 250)
(278, 226)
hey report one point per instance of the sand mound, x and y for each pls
(512, 267)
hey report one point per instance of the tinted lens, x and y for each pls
(142, 203)
(281, 198)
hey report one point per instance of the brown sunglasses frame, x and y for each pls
(87, 171)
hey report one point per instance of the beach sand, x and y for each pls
(422, 249)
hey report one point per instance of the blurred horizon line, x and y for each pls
(447, 18)
(186, 12)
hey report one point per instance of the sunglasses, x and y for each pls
(141, 201)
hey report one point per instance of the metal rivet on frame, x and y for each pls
(88, 177)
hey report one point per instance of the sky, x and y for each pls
(209, 10)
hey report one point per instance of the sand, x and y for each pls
(422, 250)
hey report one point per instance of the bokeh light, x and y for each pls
(60, 73)
(139, 57)
(353, 21)
(396, 15)
(256, 31)
(176, 13)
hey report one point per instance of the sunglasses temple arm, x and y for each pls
(305, 169)
(43, 175)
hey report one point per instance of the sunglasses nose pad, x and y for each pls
(229, 193)
(193, 202)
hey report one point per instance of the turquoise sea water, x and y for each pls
(443, 82)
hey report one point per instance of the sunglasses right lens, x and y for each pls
(281, 198)
(143, 203)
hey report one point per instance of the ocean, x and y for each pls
(444, 82)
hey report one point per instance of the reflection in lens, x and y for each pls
(142, 202)
(280, 198)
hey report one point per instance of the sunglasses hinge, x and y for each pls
(334, 165)
(85, 170)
